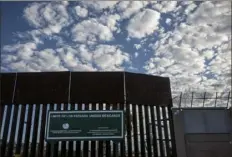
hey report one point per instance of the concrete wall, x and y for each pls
(203, 132)
(208, 145)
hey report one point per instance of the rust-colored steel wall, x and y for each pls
(146, 101)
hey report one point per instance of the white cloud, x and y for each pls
(165, 6)
(208, 26)
(85, 54)
(182, 54)
(104, 57)
(214, 15)
(32, 14)
(91, 30)
(110, 21)
(26, 57)
(221, 61)
(143, 23)
(35, 34)
(71, 61)
(49, 58)
(23, 51)
(190, 7)
(210, 13)
(49, 17)
(168, 21)
(66, 3)
(195, 55)
(208, 54)
(176, 60)
(81, 12)
(137, 46)
(127, 9)
(108, 57)
(99, 5)
(136, 54)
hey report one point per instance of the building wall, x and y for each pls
(203, 132)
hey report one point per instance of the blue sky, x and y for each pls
(190, 42)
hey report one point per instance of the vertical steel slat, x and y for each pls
(128, 117)
(28, 128)
(108, 148)
(100, 146)
(93, 143)
(2, 108)
(155, 151)
(56, 144)
(5, 130)
(160, 131)
(142, 141)
(166, 130)
(35, 131)
(173, 141)
(63, 143)
(12, 134)
(20, 131)
(122, 143)
(148, 130)
(86, 143)
(70, 146)
(1, 115)
(136, 147)
(115, 144)
(42, 131)
(78, 143)
(48, 146)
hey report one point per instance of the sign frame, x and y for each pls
(86, 138)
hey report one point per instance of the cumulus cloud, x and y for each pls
(22, 51)
(195, 52)
(211, 13)
(143, 23)
(127, 9)
(28, 58)
(190, 7)
(109, 57)
(110, 20)
(70, 59)
(81, 58)
(208, 54)
(99, 5)
(165, 6)
(168, 21)
(208, 26)
(222, 61)
(105, 57)
(50, 17)
(81, 12)
(32, 14)
(136, 54)
(137, 46)
(91, 30)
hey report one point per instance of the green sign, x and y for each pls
(85, 125)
